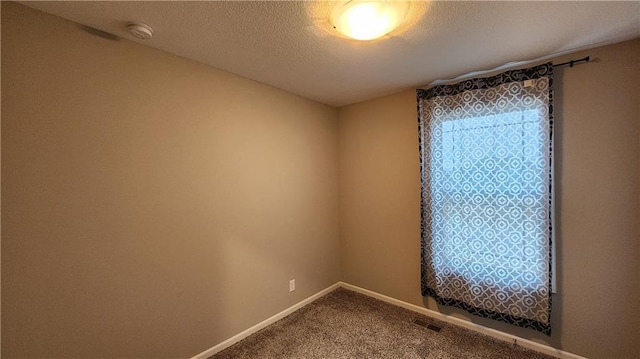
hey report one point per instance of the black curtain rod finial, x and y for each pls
(573, 62)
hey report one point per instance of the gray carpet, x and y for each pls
(344, 324)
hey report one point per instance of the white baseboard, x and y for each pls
(238, 337)
(526, 343)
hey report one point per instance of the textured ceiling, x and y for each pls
(291, 45)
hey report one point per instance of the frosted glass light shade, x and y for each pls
(368, 20)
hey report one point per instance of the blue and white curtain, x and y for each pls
(486, 172)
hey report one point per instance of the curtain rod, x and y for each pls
(573, 62)
(504, 67)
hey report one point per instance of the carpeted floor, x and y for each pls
(344, 324)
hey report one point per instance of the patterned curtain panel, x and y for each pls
(486, 168)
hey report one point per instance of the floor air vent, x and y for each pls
(435, 328)
(427, 325)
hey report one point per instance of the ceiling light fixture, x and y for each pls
(368, 20)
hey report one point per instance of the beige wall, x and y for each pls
(595, 312)
(152, 206)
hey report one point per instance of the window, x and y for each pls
(487, 195)
(491, 198)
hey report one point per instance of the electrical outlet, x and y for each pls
(292, 285)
